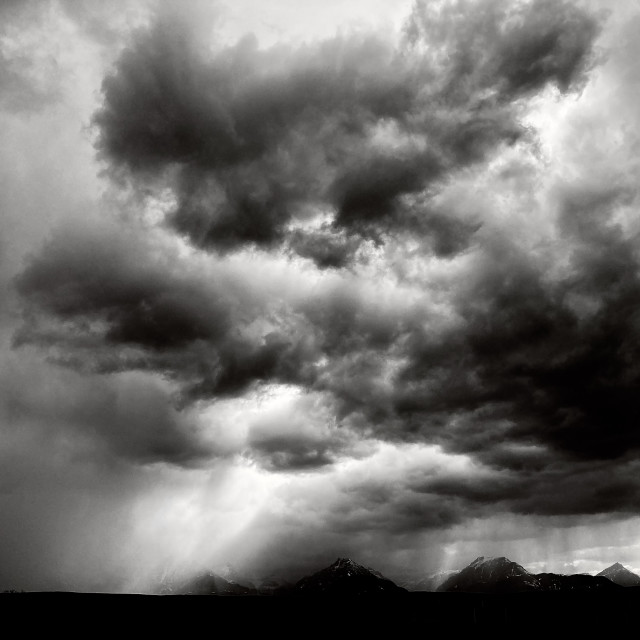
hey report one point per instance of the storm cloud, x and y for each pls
(254, 141)
(133, 311)
(357, 291)
(251, 142)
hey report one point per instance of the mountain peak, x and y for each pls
(345, 563)
(490, 560)
(346, 577)
(484, 573)
(621, 575)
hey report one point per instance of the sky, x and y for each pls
(287, 281)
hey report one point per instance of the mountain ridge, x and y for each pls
(206, 583)
(346, 577)
(501, 575)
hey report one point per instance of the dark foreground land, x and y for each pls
(413, 613)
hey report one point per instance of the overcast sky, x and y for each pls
(285, 281)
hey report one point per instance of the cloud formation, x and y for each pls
(254, 144)
(255, 141)
(392, 279)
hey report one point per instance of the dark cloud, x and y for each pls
(552, 361)
(102, 302)
(547, 489)
(290, 453)
(588, 489)
(548, 45)
(129, 417)
(327, 247)
(95, 276)
(252, 140)
(514, 48)
(224, 214)
(368, 191)
(237, 126)
(522, 357)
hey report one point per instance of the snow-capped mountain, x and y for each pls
(501, 575)
(346, 577)
(489, 574)
(621, 575)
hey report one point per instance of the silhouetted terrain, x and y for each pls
(345, 597)
(207, 584)
(501, 575)
(406, 615)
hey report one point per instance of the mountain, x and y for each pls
(576, 582)
(620, 575)
(489, 575)
(209, 584)
(346, 578)
(501, 575)
(264, 584)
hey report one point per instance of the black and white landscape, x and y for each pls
(289, 282)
